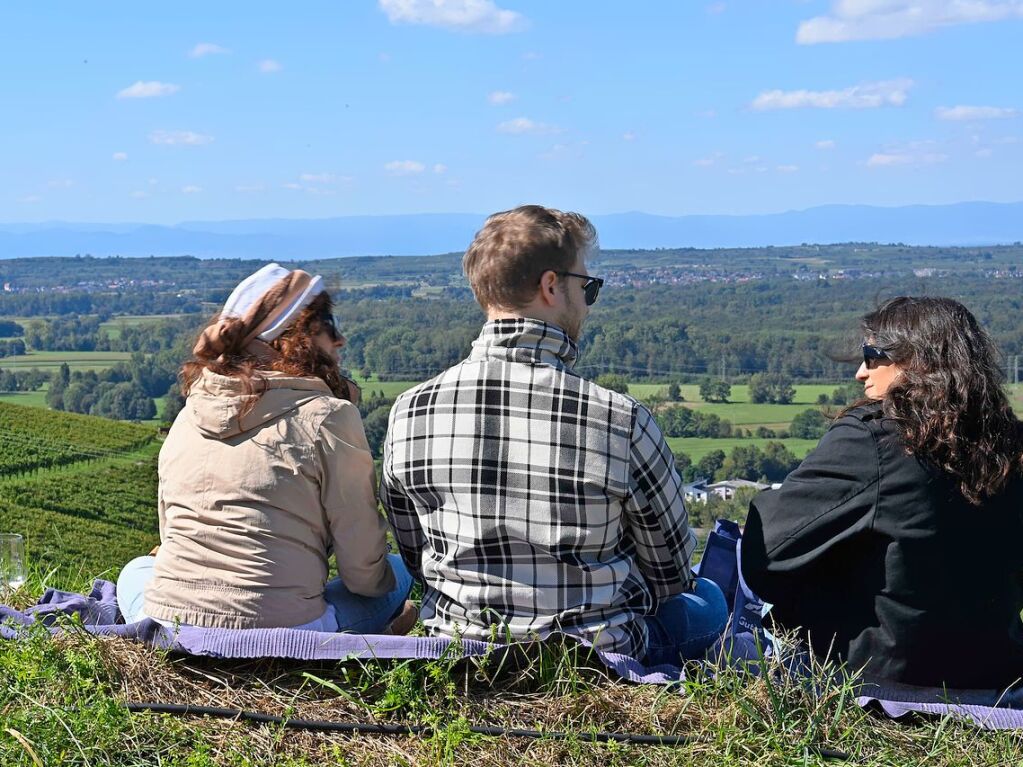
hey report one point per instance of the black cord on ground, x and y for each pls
(673, 741)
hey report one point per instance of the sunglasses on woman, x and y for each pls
(591, 285)
(874, 356)
(329, 324)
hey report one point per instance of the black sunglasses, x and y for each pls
(874, 354)
(329, 323)
(591, 285)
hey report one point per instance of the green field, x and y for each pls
(389, 389)
(113, 326)
(697, 447)
(30, 398)
(74, 360)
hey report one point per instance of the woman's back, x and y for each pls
(868, 545)
(254, 491)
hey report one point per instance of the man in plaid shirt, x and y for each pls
(527, 499)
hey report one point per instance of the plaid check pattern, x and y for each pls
(529, 500)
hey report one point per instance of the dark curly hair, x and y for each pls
(296, 354)
(948, 402)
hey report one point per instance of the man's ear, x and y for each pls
(549, 287)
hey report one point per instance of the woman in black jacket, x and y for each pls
(897, 545)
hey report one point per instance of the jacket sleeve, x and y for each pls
(348, 495)
(655, 515)
(830, 498)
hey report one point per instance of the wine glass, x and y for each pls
(12, 562)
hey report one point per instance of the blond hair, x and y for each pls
(514, 248)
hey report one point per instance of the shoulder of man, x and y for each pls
(616, 399)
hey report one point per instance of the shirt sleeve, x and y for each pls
(828, 499)
(401, 512)
(655, 512)
(348, 494)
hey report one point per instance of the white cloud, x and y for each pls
(532, 56)
(153, 182)
(206, 49)
(522, 125)
(439, 168)
(825, 144)
(179, 138)
(248, 188)
(787, 168)
(120, 156)
(292, 185)
(60, 183)
(500, 97)
(974, 113)
(753, 159)
(715, 9)
(269, 66)
(318, 178)
(191, 189)
(862, 96)
(404, 167)
(147, 90)
(707, 114)
(892, 19)
(895, 158)
(629, 136)
(983, 153)
(138, 194)
(706, 162)
(30, 198)
(459, 15)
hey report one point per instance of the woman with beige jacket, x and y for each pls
(265, 471)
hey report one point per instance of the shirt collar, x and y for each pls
(525, 340)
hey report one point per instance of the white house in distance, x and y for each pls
(700, 490)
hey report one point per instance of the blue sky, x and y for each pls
(163, 113)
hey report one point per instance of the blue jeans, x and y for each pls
(686, 625)
(346, 611)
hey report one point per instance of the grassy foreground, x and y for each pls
(62, 702)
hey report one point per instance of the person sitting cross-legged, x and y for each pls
(527, 499)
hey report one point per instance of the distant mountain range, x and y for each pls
(968, 223)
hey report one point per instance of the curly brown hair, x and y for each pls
(295, 353)
(948, 402)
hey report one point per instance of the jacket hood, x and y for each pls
(218, 404)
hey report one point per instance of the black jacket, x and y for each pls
(876, 556)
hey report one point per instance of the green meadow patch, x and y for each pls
(697, 447)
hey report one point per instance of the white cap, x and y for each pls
(252, 288)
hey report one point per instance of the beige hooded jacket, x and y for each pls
(251, 505)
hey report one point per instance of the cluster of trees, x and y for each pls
(12, 347)
(772, 463)
(72, 333)
(776, 388)
(375, 409)
(85, 334)
(10, 329)
(846, 394)
(715, 391)
(681, 421)
(23, 380)
(124, 392)
(810, 424)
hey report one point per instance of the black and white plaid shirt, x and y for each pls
(529, 499)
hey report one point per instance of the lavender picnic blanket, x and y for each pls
(99, 615)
